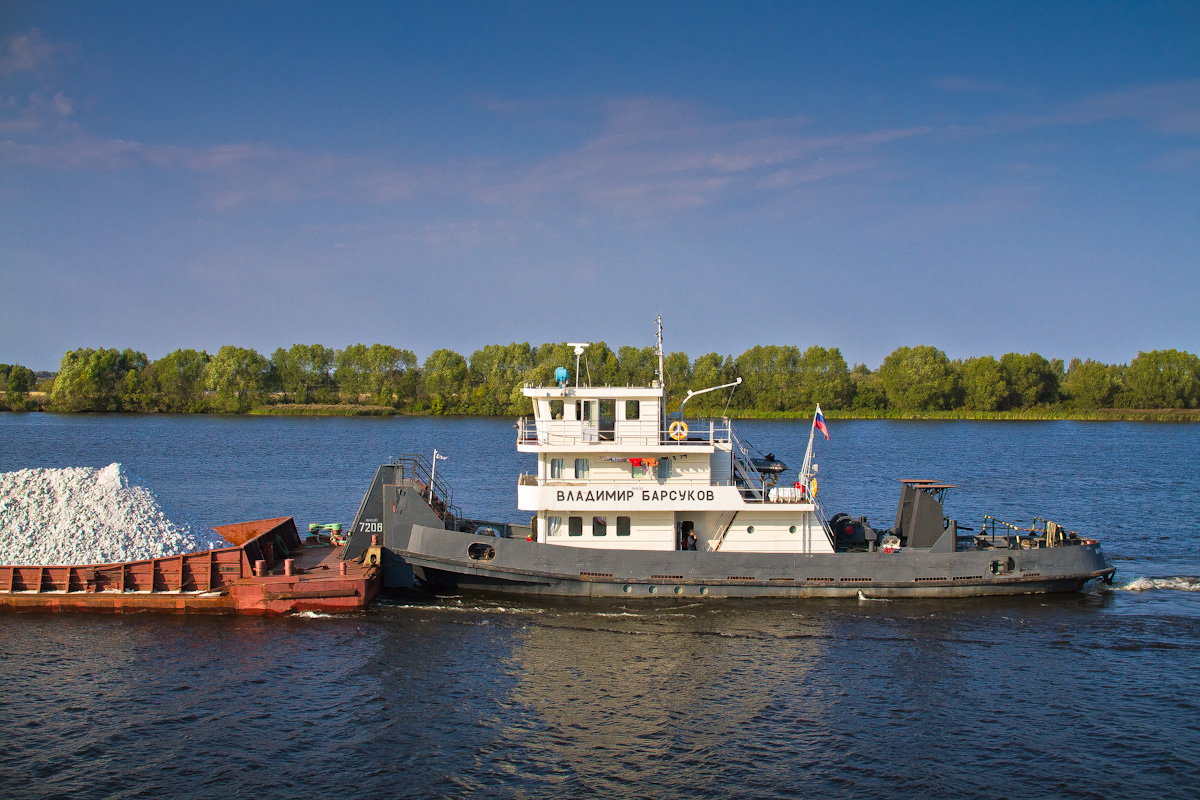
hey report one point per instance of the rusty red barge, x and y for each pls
(268, 570)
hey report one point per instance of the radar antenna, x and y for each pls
(579, 346)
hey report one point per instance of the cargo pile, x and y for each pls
(82, 515)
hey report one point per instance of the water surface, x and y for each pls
(1082, 695)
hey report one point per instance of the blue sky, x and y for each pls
(981, 177)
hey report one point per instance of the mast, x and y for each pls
(662, 378)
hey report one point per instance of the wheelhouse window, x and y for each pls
(575, 526)
(554, 526)
(633, 409)
(599, 526)
(556, 469)
(581, 469)
(622, 526)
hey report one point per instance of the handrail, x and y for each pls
(416, 467)
(572, 432)
(1033, 530)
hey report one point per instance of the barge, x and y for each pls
(629, 501)
(267, 571)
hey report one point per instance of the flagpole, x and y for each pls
(812, 432)
(433, 473)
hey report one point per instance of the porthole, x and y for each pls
(481, 552)
(749, 529)
(627, 588)
(703, 590)
(678, 590)
(653, 589)
(792, 529)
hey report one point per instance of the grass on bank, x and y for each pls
(323, 410)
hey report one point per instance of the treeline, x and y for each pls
(17, 382)
(775, 380)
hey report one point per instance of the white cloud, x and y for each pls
(1168, 108)
(26, 52)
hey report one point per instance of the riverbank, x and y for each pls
(40, 403)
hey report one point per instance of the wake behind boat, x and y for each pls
(630, 501)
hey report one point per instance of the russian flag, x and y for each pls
(819, 423)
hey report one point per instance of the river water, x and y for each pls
(1089, 695)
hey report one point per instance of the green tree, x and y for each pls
(379, 371)
(494, 372)
(236, 377)
(1033, 380)
(918, 378)
(713, 369)
(179, 379)
(18, 381)
(1162, 379)
(446, 374)
(304, 371)
(868, 391)
(678, 376)
(1089, 384)
(352, 372)
(985, 384)
(823, 378)
(771, 375)
(96, 380)
(138, 390)
(638, 365)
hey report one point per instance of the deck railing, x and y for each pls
(570, 432)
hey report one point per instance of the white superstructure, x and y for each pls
(613, 474)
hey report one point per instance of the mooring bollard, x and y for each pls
(260, 568)
(289, 566)
(342, 568)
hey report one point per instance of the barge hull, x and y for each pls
(268, 571)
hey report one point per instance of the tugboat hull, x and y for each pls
(450, 560)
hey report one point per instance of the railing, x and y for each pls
(1050, 533)
(417, 468)
(754, 480)
(629, 432)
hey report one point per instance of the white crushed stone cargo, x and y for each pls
(82, 515)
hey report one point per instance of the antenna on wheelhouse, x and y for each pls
(579, 348)
(662, 378)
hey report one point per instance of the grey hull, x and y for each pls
(442, 559)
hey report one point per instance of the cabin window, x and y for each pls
(599, 526)
(575, 526)
(556, 469)
(632, 409)
(581, 469)
(556, 409)
(622, 526)
(585, 411)
(554, 526)
(664, 468)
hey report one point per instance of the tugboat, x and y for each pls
(630, 501)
